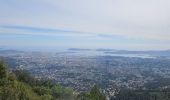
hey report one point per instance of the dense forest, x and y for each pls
(21, 85)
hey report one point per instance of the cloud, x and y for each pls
(132, 19)
(42, 30)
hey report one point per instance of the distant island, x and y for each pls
(78, 49)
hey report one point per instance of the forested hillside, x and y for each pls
(20, 85)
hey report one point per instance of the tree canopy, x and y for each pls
(3, 70)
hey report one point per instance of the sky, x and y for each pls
(61, 24)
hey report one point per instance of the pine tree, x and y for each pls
(3, 70)
(96, 93)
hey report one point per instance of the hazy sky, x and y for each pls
(54, 24)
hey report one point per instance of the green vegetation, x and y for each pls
(3, 70)
(20, 85)
(127, 94)
(94, 94)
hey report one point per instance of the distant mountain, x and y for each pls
(78, 49)
(152, 52)
(11, 51)
(106, 50)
